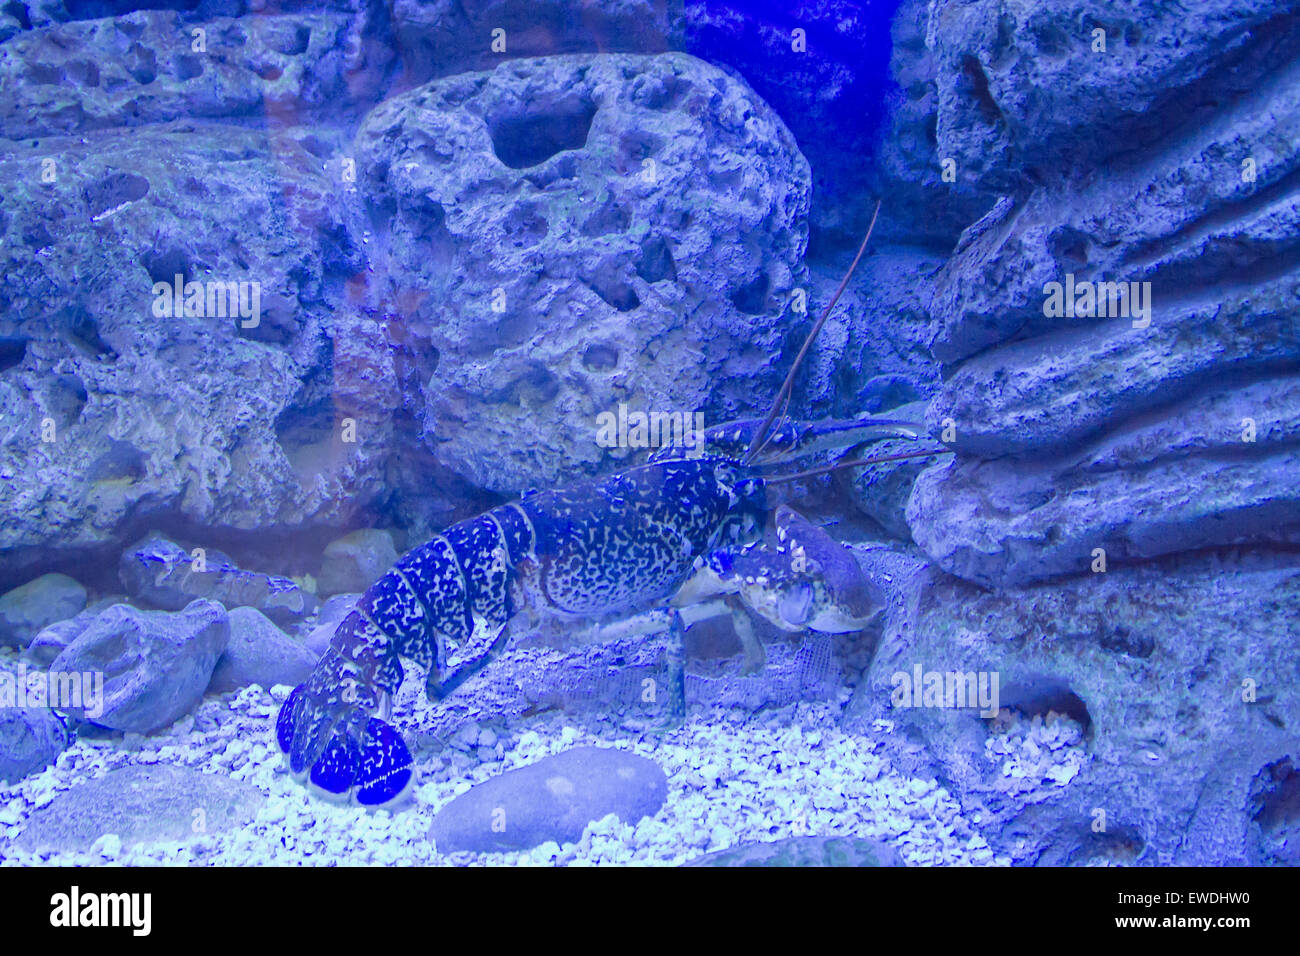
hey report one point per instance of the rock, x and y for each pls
(873, 353)
(259, 653)
(921, 209)
(355, 561)
(27, 609)
(883, 490)
(805, 851)
(1157, 423)
(331, 614)
(204, 421)
(162, 573)
(1195, 775)
(442, 37)
(155, 664)
(54, 82)
(141, 804)
(31, 738)
(1027, 88)
(553, 799)
(830, 85)
(618, 172)
(50, 641)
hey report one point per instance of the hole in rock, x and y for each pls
(12, 352)
(600, 358)
(1278, 816)
(167, 264)
(751, 298)
(115, 189)
(1038, 695)
(529, 139)
(656, 263)
(615, 292)
(122, 462)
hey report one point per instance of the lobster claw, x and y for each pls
(373, 769)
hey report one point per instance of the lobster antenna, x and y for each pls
(783, 396)
(836, 466)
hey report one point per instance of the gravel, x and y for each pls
(733, 778)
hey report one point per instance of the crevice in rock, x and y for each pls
(1277, 812)
(1216, 219)
(751, 298)
(522, 140)
(656, 263)
(13, 350)
(600, 357)
(1037, 695)
(973, 72)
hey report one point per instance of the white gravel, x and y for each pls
(732, 779)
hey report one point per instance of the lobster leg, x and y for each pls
(755, 656)
(676, 667)
(439, 685)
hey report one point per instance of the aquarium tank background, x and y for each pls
(398, 465)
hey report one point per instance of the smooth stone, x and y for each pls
(553, 799)
(355, 561)
(259, 653)
(141, 804)
(31, 738)
(28, 608)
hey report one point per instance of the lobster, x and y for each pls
(595, 550)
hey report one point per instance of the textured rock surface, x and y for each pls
(1100, 430)
(1175, 673)
(143, 67)
(30, 738)
(551, 233)
(355, 561)
(162, 573)
(1021, 88)
(115, 415)
(51, 641)
(553, 799)
(259, 653)
(882, 490)
(156, 664)
(27, 609)
(806, 851)
(441, 37)
(921, 207)
(377, 300)
(142, 804)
